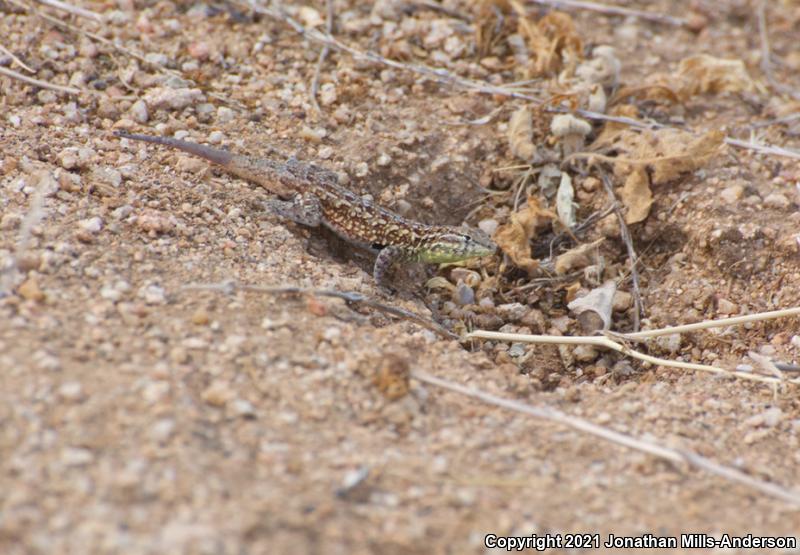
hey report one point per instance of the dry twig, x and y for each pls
(766, 61)
(638, 444)
(16, 59)
(74, 10)
(719, 323)
(351, 297)
(638, 308)
(614, 10)
(763, 149)
(322, 55)
(43, 84)
(602, 341)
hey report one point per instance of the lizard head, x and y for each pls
(452, 244)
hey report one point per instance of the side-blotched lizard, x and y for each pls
(317, 199)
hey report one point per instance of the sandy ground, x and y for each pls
(139, 416)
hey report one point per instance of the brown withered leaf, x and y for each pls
(553, 41)
(636, 196)
(656, 93)
(612, 129)
(707, 74)
(579, 257)
(492, 26)
(514, 237)
(667, 152)
(704, 74)
(520, 134)
(646, 158)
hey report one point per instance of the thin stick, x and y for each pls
(322, 55)
(601, 341)
(638, 308)
(43, 84)
(766, 61)
(614, 10)
(638, 444)
(763, 149)
(719, 323)
(228, 287)
(75, 10)
(19, 62)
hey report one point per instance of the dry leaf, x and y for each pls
(594, 309)
(492, 25)
(579, 257)
(655, 93)
(707, 74)
(553, 41)
(612, 129)
(514, 238)
(565, 202)
(520, 134)
(656, 157)
(637, 196)
(667, 152)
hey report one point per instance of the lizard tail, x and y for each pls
(214, 155)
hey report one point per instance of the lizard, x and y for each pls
(311, 196)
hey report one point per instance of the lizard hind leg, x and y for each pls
(386, 257)
(302, 209)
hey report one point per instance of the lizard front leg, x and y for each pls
(302, 209)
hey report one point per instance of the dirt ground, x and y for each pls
(142, 416)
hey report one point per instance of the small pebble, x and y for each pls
(776, 200)
(153, 294)
(488, 226)
(200, 317)
(76, 456)
(225, 114)
(242, 407)
(670, 343)
(71, 391)
(162, 430)
(724, 306)
(218, 394)
(30, 290)
(327, 94)
(585, 353)
(463, 294)
(139, 111)
(167, 98)
(512, 312)
(91, 225)
(732, 194)
(361, 169)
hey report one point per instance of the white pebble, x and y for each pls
(139, 111)
(225, 114)
(92, 225)
(361, 169)
(71, 391)
(76, 456)
(162, 430)
(153, 294)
